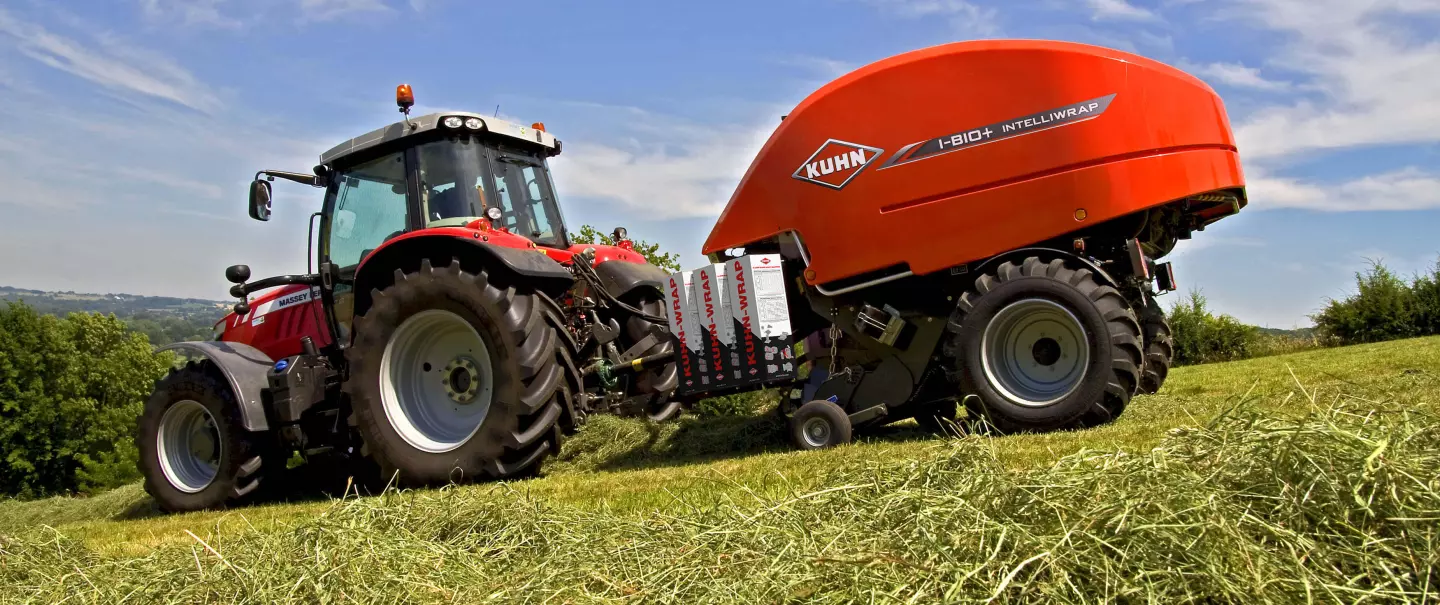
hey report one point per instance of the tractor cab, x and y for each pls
(450, 169)
(437, 174)
(440, 170)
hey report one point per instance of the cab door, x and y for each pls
(367, 204)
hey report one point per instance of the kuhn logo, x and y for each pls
(835, 163)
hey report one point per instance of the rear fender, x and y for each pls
(1047, 253)
(245, 369)
(519, 265)
(621, 278)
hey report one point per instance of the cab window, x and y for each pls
(523, 187)
(370, 208)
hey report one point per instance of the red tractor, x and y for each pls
(974, 225)
(435, 339)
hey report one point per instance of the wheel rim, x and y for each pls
(1035, 352)
(815, 432)
(436, 383)
(189, 445)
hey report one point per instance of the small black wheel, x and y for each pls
(818, 425)
(940, 417)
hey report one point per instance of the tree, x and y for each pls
(651, 252)
(70, 391)
(1426, 289)
(1202, 337)
(1383, 308)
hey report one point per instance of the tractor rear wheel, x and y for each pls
(1041, 346)
(1159, 346)
(656, 385)
(194, 450)
(455, 376)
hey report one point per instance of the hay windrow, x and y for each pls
(1342, 505)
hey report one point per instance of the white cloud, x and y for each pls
(827, 68)
(326, 10)
(1119, 10)
(1237, 75)
(667, 173)
(1376, 85)
(1404, 189)
(111, 63)
(968, 19)
(234, 14)
(188, 12)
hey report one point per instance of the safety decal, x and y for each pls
(835, 163)
(1061, 116)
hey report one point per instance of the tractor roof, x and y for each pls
(429, 122)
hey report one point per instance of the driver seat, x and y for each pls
(448, 204)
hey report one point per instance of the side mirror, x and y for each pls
(237, 274)
(260, 200)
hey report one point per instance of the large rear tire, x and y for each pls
(1041, 346)
(1159, 346)
(455, 376)
(195, 453)
(658, 384)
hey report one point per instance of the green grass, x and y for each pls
(1297, 478)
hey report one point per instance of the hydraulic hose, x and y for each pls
(588, 273)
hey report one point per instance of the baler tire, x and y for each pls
(1159, 347)
(522, 344)
(657, 384)
(820, 424)
(1112, 340)
(238, 473)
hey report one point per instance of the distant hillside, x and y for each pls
(163, 319)
(1302, 333)
(122, 305)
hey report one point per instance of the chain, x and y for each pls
(834, 352)
(834, 346)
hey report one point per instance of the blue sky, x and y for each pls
(131, 127)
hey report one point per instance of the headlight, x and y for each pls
(494, 213)
(453, 122)
(473, 123)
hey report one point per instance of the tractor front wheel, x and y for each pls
(194, 451)
(1041, 346)
(455, 376)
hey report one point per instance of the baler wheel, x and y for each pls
(819, 424)
(455, 376)
(1159, 346)
(656, 384)
(1040, 346)
(194, 451)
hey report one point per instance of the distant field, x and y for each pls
(1310, 476)
(123, 305)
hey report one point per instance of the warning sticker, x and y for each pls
(999, 131)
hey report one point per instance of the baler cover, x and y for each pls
(957, 152)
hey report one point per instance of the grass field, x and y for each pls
(1312, 477)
